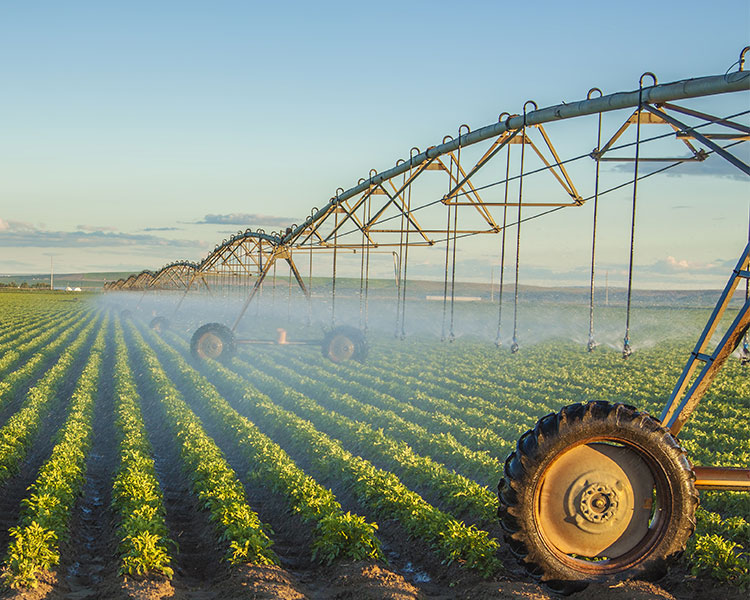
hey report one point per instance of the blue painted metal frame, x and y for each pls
(674, 418)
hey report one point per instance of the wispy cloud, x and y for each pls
(19, 234)
(15, 226)
(245, 219)
(713, 166)
(671, 265)
(162, 229)
(95, 228)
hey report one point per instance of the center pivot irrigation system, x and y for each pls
(594, 491)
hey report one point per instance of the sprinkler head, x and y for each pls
(745, 355)
(626, 349)
(591, 345)
(498, 343)
(514, 347)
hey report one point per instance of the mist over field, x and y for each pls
(541, 314)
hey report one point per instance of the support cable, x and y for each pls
(567, 162)
(333, 282)
(514, 345)
(367, 269)
(365, 243)
(452, 333)
(592, 342)
(400, 262)
(405, 264)
(626, 349)
(289, 297)
(309, 287)
(607, 191)
(745, 352)
(502, 253)
(447, 253)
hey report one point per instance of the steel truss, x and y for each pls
(399, 208)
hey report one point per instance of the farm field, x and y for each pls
(127, 470)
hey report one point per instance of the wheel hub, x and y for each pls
(598, 503)
(341, 348)
(210, 346)
(595, 501)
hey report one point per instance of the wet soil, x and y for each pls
(88, 560)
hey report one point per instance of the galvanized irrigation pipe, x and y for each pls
(665, 92)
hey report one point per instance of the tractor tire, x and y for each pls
(597, 492)
(344, 343)
(213, 340)
(159, 324)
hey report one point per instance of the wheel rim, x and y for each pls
(340, 348)
(601, 507)
(209, 345)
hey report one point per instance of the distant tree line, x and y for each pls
(24, 285)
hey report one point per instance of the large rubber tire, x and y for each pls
(213, 340)
(344, 343)
(159, 324)
(588, 456)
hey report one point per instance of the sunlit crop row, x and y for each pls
(18, 433)
(337, 534)
(413, 439)
(375, 488)
(213, 481)
(46, 509)
(457, 492)
(14, 381)
(144, 543)
(30, 339)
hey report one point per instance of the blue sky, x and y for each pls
(139, 133)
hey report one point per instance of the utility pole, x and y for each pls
(51, 274)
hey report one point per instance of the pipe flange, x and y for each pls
(599, 503)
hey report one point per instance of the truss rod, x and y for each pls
(666, 92)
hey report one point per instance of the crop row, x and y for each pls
(457, 492)
(18, 432)
(431, 418)
(375, 488)
(443, 447)
(506, 422)
(433, 391)
(544, 378)
(137, 497)
(46, 510)
(13, 382)
(21, 346)
(491, 404)
(213, 480)
(26, 313)
(19, 330)
(337, 534)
